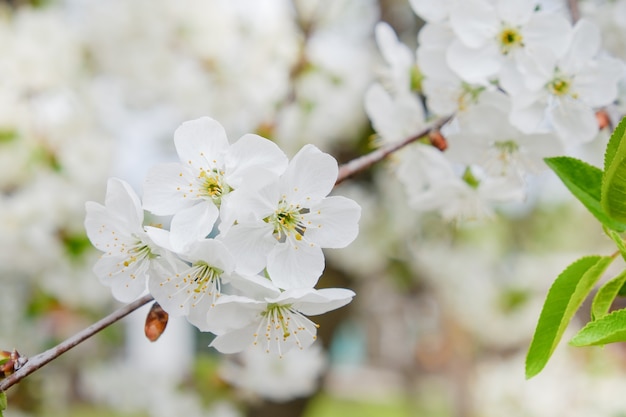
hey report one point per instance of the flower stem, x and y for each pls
(43, 358)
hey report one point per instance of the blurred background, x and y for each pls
(444, 312)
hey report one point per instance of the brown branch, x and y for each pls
(43, 358)
(362, 163)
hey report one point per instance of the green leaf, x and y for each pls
(605, 296)
(3, 402)
(565, 297)
(585, 182)
(619, 242)
(608, 329)
(614, 179)
(614, 142)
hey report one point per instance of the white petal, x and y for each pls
(169, 289)
(596, 83)
(394, 52)
(201, 143)
(515, 12)
(255, 286)
(312, 302)
(234, 341)
(333, 223)
(430, 11)
(574, 122)
(234, 312)
(295, 264)
(528, 112)
(435, 35)
(192, 224)
(122, 201)
(250, 154)
(548, 30)
(310, 176)
(213, 252)
(584, 46)
(394, 118)
(104, 229)
(126, 282)
(474, 65)
(475, 22)
(167, 189)
(250, 243)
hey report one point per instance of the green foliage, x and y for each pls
(564, 298)
(603, 193)
(585, 183)
(3, 402)
(605, 296)
(610, 328)
(614, 178)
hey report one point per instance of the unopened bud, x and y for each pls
(156, 322)
(437, 140)
(603, 119)
(10, 362)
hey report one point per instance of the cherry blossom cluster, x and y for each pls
(243, 251)
(522, 82)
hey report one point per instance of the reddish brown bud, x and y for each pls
(603, 119)
(156, 322)
(437, 140)
(10, 362)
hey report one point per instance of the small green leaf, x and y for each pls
(614, 142)
(3, 402)
(585, 182)
(608, 329)
(565, 297)
(605, 296)
(619, 242)
(614, 179)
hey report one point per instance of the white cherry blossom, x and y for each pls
(284, 225)
(117, 230)
(191, 287)
(209, 170)
(503, 36)
(576, 84)
(268, 318)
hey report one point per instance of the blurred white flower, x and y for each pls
(569, 90)
(503, 36)
(295, 374)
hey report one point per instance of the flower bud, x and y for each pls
(10, 362)
(156, 322)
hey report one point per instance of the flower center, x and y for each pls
(202, 274)
(288, 220)
(284, 324)
(138, 252)
(469, 95)
(213, 186)
(510, 38)
(561, 86)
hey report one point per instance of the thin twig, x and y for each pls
(43, 358)
(574, 10)
(362, 163)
